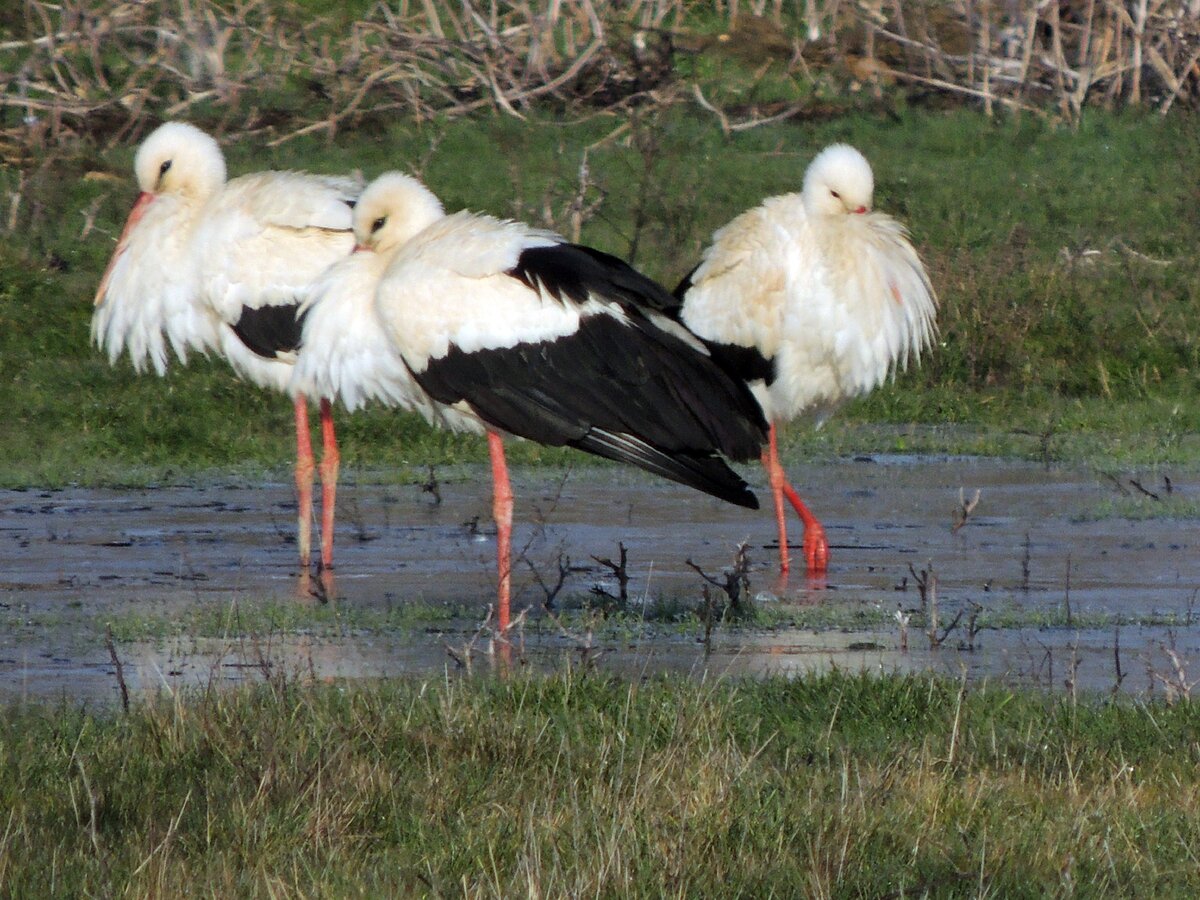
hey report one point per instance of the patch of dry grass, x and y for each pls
(281, 69)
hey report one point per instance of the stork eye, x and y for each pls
(162, 170)
(378, 223)
(836, 194)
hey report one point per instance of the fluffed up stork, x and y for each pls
(206, 264)
(505, 329)
(813, 298)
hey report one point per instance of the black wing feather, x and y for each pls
(744, 363)
(577, 272)
(271, 330)
(626, 391)
(685, 285)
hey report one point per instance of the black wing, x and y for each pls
(627, 391)
(577, 272)
(271, 330)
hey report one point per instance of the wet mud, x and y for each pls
(1078, 592)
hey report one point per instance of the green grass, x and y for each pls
(573, 785)
(1094, 362)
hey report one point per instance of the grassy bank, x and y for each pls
(1068, 282)
(573, 785)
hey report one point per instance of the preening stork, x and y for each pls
(505, 329)
(206, 264)
(813, 299)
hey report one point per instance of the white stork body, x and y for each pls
(814, 299)
(507, 329)
(204, 264)
(347, 355)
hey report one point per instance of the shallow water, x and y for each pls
(71, 559)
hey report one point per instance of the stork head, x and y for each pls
(178, 158)
(392, 210)
(838, 182)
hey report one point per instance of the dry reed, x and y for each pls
(82, 69)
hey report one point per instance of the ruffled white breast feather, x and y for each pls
(880, 279)
(739, 290)
(345, 355)
(839, 310)
(152, 297)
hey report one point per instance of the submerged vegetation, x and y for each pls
(576, 784)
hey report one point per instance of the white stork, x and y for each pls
(499, 328)
(813, 299)
(205, 264)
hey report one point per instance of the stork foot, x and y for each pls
(816, 549)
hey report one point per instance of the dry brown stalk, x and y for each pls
(84, 69)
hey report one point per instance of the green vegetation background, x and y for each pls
(1065, 260)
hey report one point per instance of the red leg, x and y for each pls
(304, 481)
(775, 477)
(330, 462)
(816, 546)
(502, 510)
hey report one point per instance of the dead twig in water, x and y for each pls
(1067, 592)
(120, 670)
(973, 626)
(585, 646)
(902, 619)
(1072, 679)
(1175, 683)
(736, 581)
(464, 655)
(1149, 493)
(619, 572)
(1117, 660)
(431, 486)
(1025, 560)
(964, 509)
(564, 569)
(926, 581)
(1116, 482)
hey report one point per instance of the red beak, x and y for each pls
(145, 198)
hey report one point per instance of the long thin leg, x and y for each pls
(502, 510)
(775, 477)
(816, 545)
(330, 463)
(304, 481)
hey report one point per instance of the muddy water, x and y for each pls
(1034, 546)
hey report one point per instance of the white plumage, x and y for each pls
(508, 329)
(347, 354)
(204, 264)
(829, 296)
